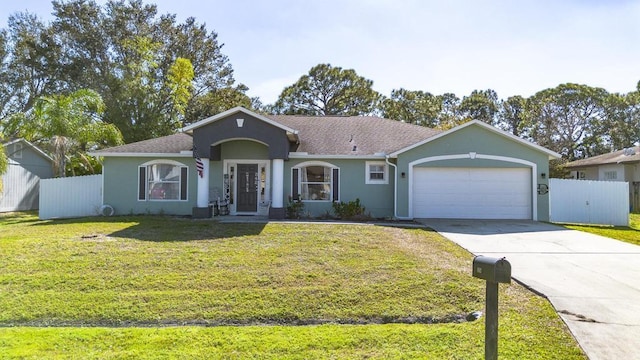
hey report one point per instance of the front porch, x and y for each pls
(241, 181)
(242, 162)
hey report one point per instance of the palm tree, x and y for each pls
(68, 126)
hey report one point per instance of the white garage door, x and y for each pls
(472, 193)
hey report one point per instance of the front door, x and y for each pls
(247, 188)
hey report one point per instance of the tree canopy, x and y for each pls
(154, 75)
(67, 126)
(150, 70)
(329, 90)
(413, 107)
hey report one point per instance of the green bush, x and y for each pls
(295, 208)
(351, 210)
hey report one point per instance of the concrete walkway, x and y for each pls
(592, 281)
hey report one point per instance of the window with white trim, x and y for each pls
(377, 172)
(162, 181)
(315, 182)
(611, 175)
(17, 151)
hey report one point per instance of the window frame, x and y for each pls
(611, 175)
(297, 182)
(368, 172)
(144, 184)
(17, 150)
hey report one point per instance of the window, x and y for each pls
(17, 151)
(610, 175)
(315, 182)
(162, 180)
(376, 172)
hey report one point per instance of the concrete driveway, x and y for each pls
(592, 281)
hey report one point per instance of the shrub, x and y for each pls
(350, 210)
(295, 208)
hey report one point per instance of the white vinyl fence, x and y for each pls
(589, 202)
(70, 197)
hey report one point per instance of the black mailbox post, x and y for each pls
(494, 271)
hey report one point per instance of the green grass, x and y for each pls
(134, 287)
(630, 234)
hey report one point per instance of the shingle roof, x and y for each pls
(621, 156)
(171, 144)
(338, 135)
(319, 135)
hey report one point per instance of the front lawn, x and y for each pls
(630, 234)
(144, 287)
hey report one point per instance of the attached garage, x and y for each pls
(472, 193)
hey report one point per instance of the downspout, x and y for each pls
(395, 189)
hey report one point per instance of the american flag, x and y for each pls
(199, 164)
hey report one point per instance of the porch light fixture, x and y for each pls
(543, 175)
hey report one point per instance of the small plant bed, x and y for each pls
(136, 286)
(351, 210)
(630, 234)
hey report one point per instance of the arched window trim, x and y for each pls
(297, 183)
(144, 191)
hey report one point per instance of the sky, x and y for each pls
(513, 47)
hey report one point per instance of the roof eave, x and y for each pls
(570, 166)
(336, 156)
(138, 154)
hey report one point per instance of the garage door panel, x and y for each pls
(472, 193)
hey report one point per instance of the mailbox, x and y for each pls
(492, 269)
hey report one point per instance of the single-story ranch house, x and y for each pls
(620, 165)
(256, 163)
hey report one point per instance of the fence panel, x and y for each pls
(70, 197)
(589, 202)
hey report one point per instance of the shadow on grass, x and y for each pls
(20, 217)
(165, 228)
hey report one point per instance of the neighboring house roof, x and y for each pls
(30, 145)
(629, 155)
(551, 154)
(162, 146)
